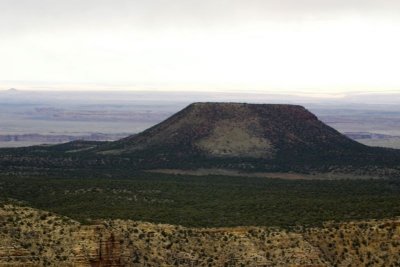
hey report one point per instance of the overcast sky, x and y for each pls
(270, 45)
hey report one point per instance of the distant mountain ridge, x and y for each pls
(59, 138)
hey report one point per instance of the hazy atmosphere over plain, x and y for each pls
(314, 45)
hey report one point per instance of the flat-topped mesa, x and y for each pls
(237, 129)
(294, 110)
(272, 134)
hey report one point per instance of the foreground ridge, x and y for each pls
(31, 237)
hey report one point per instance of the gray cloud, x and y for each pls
(279, 43)
(31, 15)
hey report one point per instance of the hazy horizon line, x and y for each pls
(103, 87)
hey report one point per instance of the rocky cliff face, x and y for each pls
(30, 237)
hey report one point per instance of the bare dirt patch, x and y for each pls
(232, 138)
